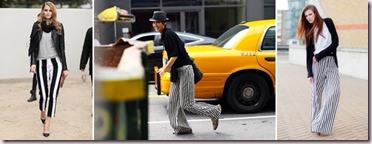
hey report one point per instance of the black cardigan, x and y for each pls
(329, 51)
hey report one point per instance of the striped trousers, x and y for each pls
(325, 77)
(49, 73)
(182, 98)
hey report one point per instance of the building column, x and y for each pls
(255, 10)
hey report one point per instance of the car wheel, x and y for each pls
(247, 93)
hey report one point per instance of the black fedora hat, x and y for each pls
(159, 16)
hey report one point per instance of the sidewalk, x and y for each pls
(294, 104)
(20, 120)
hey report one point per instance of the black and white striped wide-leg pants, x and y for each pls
(182, 98)
(325, 77)
(49, 73)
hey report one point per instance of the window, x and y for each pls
(157, 41)
(146, 38)
(224, 2)
(142, 23)
(187, 39)
(268, 43)
(220, 19)
(182, 2)
(231, 37)
(145, 3)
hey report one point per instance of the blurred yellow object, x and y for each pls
(108, 15)
(146, 46)
(122, 90)
(149, 47)
(114, 14)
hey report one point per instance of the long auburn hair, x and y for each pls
(306, 30)
(53, 19)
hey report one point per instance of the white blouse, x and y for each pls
(324, 40)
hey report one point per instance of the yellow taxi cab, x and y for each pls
(239, 67)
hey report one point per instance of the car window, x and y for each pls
(268, 42)
(187, 39)
(157, 41)
(231, 37)
(146, 38)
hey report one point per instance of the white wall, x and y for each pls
(352, 62)
(15, 29)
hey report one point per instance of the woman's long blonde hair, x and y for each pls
(53, 19)
(306, 30)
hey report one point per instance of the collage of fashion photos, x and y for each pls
(189, 70)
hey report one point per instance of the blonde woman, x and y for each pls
(48, 62)
(321, 43)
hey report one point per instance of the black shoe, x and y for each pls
(183, 132)
(32, 98)
(321, 134)
(215, 123)
(215, 120)
(42, 121)
(46, 134)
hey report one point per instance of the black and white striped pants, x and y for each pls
(182, 98)
(49, 73)
(325, 77)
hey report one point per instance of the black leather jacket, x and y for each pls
(58, 40)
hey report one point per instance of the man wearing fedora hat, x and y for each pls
(182, 80)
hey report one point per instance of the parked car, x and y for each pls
(155, 59)
(239, 67)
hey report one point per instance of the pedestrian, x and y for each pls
(321, 43)
(33, 89)
(86, 55)
(48, 62)
(182, 80)
(34, 80)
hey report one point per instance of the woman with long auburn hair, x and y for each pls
(48, 62)
(321, 43)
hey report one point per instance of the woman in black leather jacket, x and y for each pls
(48, 62)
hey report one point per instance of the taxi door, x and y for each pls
(266, 54)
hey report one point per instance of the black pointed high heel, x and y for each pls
(46, 134)
(42, 120)
(321, 134)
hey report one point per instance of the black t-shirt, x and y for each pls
(174, 47)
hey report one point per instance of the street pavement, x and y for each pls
(232, 126)
(294, 104)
